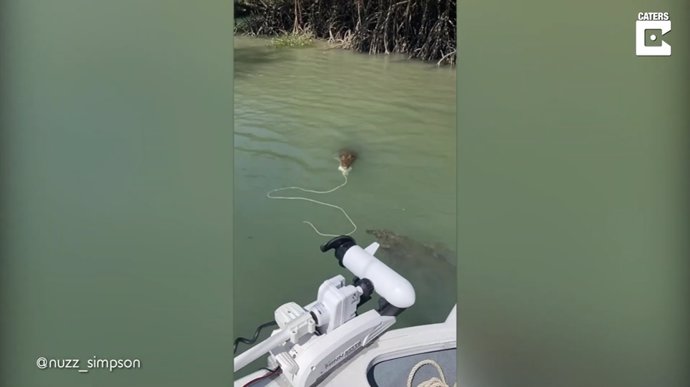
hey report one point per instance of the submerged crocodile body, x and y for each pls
(402, 247)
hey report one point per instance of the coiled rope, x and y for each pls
(433, 382)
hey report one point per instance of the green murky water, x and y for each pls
(294, 109)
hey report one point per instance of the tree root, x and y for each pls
(424, 30)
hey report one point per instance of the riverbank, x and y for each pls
(421, 30)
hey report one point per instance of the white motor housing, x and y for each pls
(387, 283)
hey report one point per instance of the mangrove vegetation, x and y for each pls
(421, 29)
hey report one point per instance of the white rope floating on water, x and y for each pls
(433, 382)
(268, 195)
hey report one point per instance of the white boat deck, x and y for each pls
(389, 360)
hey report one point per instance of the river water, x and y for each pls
(294, 109)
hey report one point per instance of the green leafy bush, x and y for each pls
(294, 40)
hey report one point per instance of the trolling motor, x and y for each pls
(314, 340)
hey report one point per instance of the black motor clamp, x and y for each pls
(340, 244)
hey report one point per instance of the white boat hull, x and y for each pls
(391, 345)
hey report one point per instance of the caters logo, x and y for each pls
(650, 29)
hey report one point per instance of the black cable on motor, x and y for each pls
(268, 375)
(256, 335)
